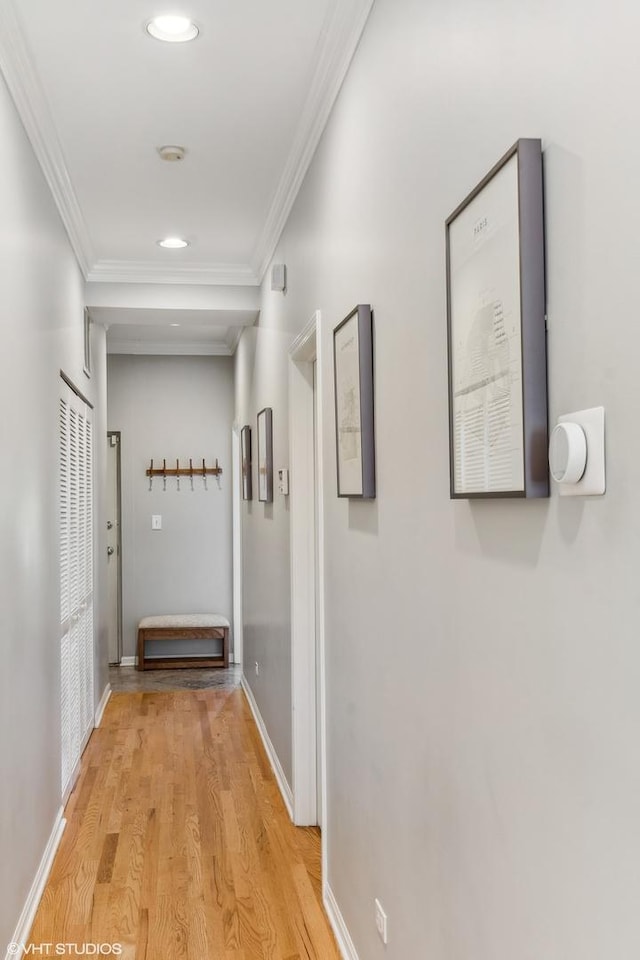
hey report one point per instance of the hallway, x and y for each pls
(178, 844)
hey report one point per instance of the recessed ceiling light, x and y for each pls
(172, 29)
(174, 324)
(173, 243)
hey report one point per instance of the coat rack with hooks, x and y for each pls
(164, 471)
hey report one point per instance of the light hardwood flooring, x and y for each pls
(178, 844)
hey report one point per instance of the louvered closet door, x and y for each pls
(76, 580)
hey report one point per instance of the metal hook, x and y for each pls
(204, 475)
(178, 475)
(164, 474)
(151, 477)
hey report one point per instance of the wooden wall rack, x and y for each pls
(178, 471)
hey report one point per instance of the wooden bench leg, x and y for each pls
(140, 663)
(225, 646)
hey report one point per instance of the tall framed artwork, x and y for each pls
(496, 333)
(245, 458)
(353, 384)
(265, 456)
(86, 329)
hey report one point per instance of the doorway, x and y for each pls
(307, 577)
(114, 549)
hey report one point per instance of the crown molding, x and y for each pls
(341, 34)
(147, 271)
(28, 95)
(232, 338)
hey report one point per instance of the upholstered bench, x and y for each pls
(185, 626)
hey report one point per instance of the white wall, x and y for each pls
(483, 666)
(173, 408)
(262, 381)
(41, 330)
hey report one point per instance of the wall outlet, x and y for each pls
(156, 521)
(257, 669)
(381, 921)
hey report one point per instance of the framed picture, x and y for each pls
(245, 455)
(265, 456)
(496, 333)
(353, 379)
(87, 342)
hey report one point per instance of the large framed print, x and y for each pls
(353, 379)
(265, 456)
(245, 456)
(497, 334)
(87, 342)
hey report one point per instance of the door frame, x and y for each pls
(307, 588)
(118, 436)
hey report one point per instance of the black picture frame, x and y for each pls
(87, 343)
(496, 332)
(265, 455)
(354, 404)
(245, 463)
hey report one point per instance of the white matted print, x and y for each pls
(353, 369)
(486, 342)
(265, 456)
(496, 333)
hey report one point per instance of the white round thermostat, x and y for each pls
(567, 452)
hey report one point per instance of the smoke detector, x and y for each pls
(171, 153)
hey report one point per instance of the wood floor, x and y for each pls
(178, 844)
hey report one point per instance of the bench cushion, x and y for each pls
(177, 621)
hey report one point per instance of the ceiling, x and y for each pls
(248, 100)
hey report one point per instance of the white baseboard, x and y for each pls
(23, 929)
(339, 927)
(128, 661)
(278, 772)
(104, 700)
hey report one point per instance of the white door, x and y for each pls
(236, 481)
(114, 619)
(76, 580)
(316, 574)
(307, 581)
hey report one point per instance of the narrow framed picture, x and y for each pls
(353, 383)
(496, 333)
(87, 342)
(245, 456)
(265, 456)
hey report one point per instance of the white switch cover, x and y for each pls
(381, 921)
(283, 481)
(156, 521)
(592, 482)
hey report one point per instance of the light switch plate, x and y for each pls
(156, 521)
(592, 483)
(283, 481)
(381, 922)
